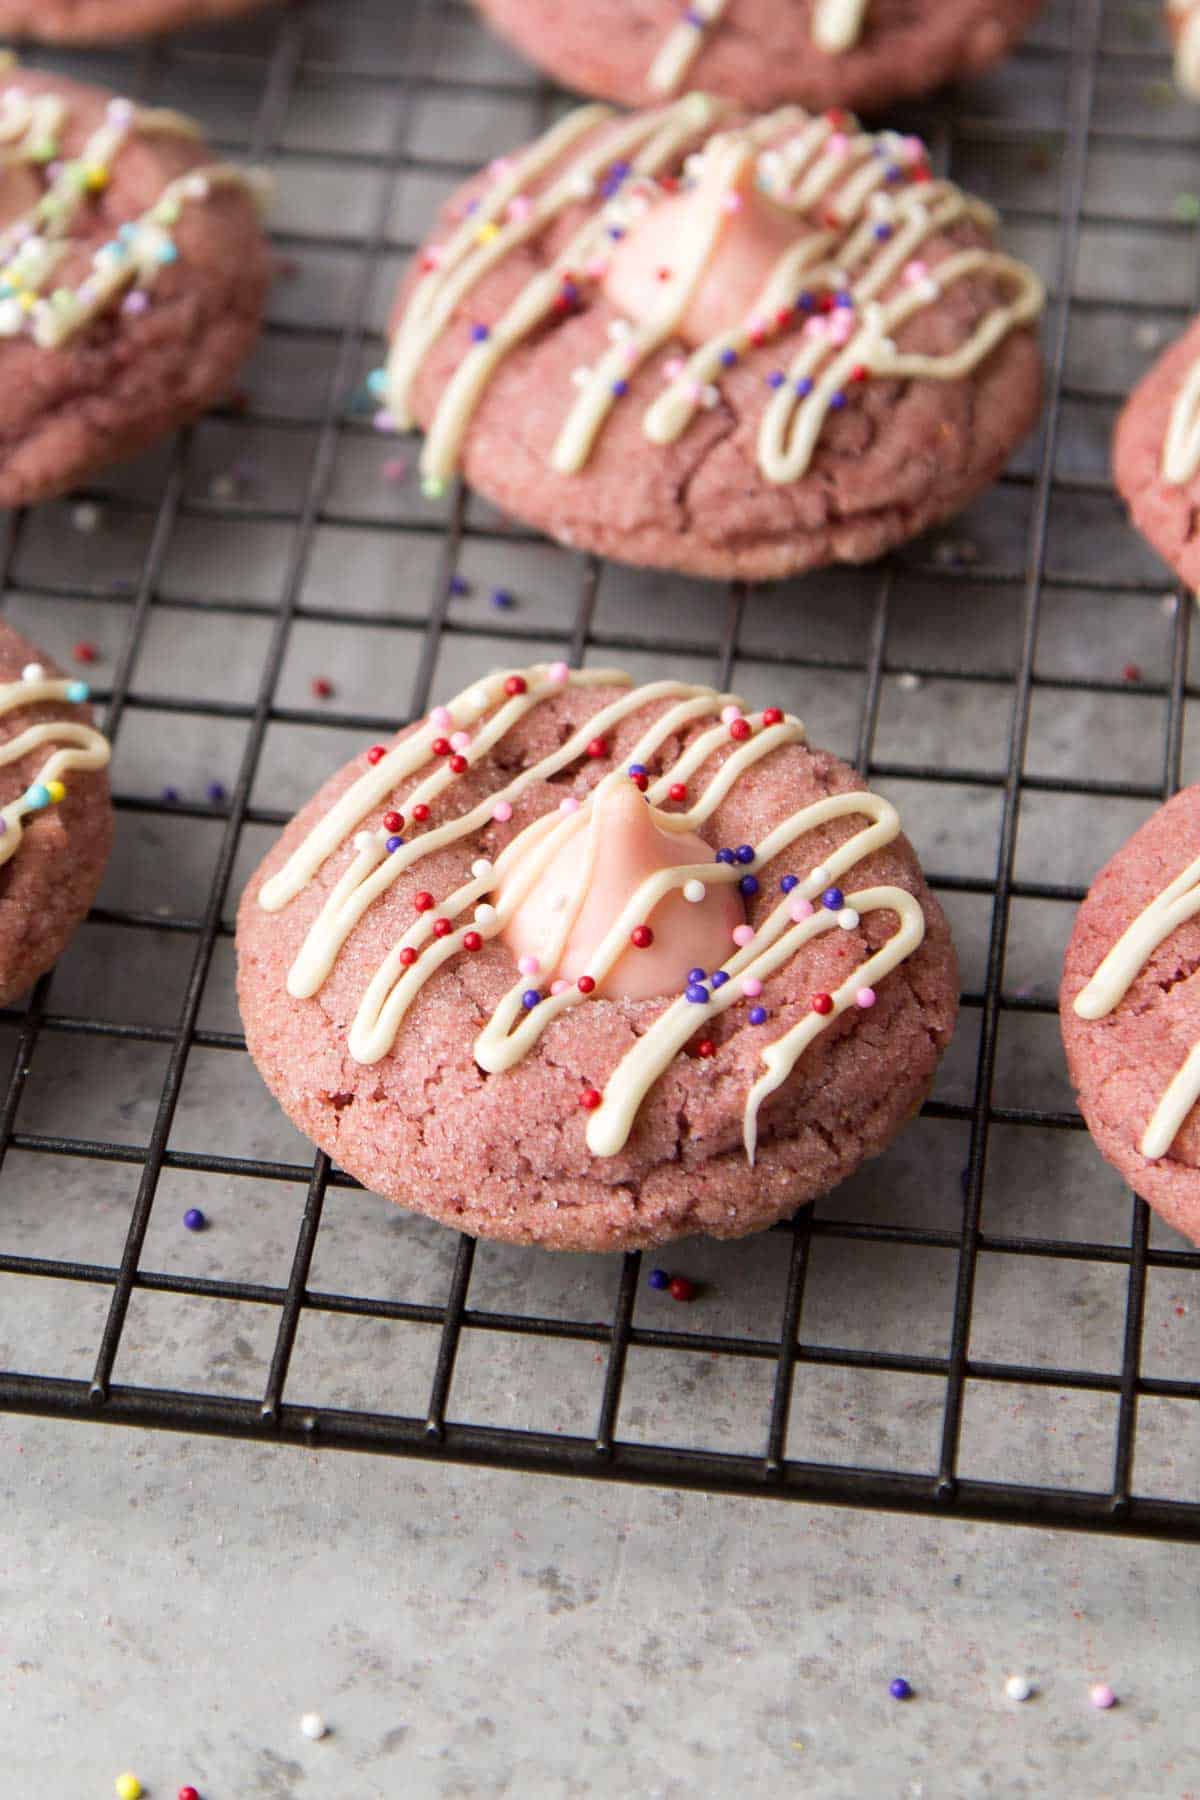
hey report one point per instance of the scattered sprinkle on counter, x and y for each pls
(899, 1689)
(313, 1726)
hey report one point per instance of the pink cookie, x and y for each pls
(513, 1102)
(734, 348)
(860, 53)
(1156, 455)
(54, 839)
(137, 268)
(1130, 1009)
(93, 21)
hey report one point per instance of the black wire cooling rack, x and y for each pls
(983, 1324)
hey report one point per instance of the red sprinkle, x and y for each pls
(677, 791)
(458, 765)
(664, 274)
(420, 812)
(859, 372)
(586, 984)
(516, 684)
(187, 1793)
(440, 746)
(442, 928)
(590, 1099)
(822, 1003)
(598, 747)
(85, 652)
(376, 754)
(472, 941)
(423, 901)
(706, 1047)
(837, 118)
(322, 687)
(783, 316)
(1131, 672)
(739, 730)
(772, 715)
(758, 336)
(681, 1288)
(641, 937)
(393, 822)
(408, 956)
(923, 173)
(640, 782)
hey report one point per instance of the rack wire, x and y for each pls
(983, 1324)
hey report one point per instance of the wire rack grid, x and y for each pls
(982, 1324)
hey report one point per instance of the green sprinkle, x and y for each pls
(433, 487)
(1185, 208)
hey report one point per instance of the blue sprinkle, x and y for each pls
(170, 795)
(806, 302)
(479, 334)
(620, 388)
(719, 978)
(125, 232)
(502, 600)
(696, 994)
(459, 586)
(745, 853)
(78, 691)
(748, 884)
(638, 769)
(804, 386)
(695, 975)
(837, 401)
(728, 358)
(37, 796)
(757, 1015)
(377, 382)
(789, 882)
(167, 253)
(726, 856)
(216, 792)
(834, 899)
(776, 378)
(530, 998)
(658, 1278)
(883, 233)
(393, 844)
(844, 298)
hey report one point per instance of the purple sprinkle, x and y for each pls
(748, 885)
(384, 421)
(726, 856)
(844, 298)
(638, 769)
(530, 998)
(479, 334)
(695, 976)
(458, 587)
(615, 232)
(894, 173)
(698, 995)
(170, 795)
(728, 358)
(776, 378)
(135, 302)
(806, 302)
(804, 386)
(837, 401)
(788, 882)
(194, 1219)
(216, 792)
(833, 899)
(620, 388)
(393, 844)
(502, 600)
(883, 233)
(719, 978)
(745, 853)
(757, 1015)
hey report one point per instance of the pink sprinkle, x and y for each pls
(135, 302)
(520, 207)
(528, 965)
(384, 421)
(695, 392)
(460, 740)
(1102, 1696)
(673, 368)
(502, 812)
(817, 330)
(915, 271)
(559, 986)
(800, 910)
(743, 934)
(841, 327)
(729, 714)
(558, 672)
(395, 468)
(597, 269)
(752, 987)
(838, 144)
(732, 203)
(569, 805)
(499, 165)
(865, 997)
(440, 716)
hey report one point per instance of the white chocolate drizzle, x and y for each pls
(1181, 447)
(77, 746)
(1187, 44)
(34, 245)
(836, 27)
(484, 715)
(853, 280)
(1177, 903)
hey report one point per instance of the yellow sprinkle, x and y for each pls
(28, 301)
(127, 1787)
(56, 791)
(487, 232)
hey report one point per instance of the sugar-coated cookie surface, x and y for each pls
(466, 970)
(1156, 455)
(1130, 1009)
(55, 812)
(739, 348)
(859, 53)
(93, 21)
(133, 271)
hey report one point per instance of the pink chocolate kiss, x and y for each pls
(630, 846)
(751, 238)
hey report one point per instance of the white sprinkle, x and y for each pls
(1018, 1687)
(1148, 336)
(583, 185)
(86, 516)
(481, 866)
(694, 891)
(313, 1726)
(908, 683)
(848, 918)
(619, 330)
(581, 376)
(33, 672)
(11, 318)
(484, 913)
